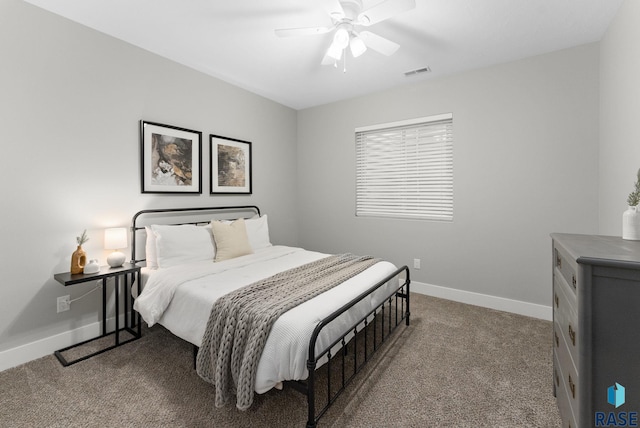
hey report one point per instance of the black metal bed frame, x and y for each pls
(135, 227)
(376, 320)
(364, 337)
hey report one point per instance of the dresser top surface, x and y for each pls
(599, 249)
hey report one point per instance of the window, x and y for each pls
(405, 169)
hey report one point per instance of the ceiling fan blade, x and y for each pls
(379, 43)
(307, 31)
(334, 10)
(384, 10)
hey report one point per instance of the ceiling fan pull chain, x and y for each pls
(344, 62)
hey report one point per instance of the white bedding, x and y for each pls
(180, 298)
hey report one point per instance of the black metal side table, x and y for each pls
(130, 273)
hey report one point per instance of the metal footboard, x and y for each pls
(356, 345)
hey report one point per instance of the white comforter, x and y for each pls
(180, 298)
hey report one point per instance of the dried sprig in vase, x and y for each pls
(79, 258)
(631, 217)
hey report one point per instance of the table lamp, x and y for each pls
(115, 239)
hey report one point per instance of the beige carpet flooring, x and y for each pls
(456, 366)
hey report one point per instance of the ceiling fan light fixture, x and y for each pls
(341, 38)
(346, 16)
(357, 46)
(335, 51)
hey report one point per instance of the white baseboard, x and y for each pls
(31, 351)
(484, 300)
(47, 346)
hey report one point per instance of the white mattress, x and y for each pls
(180, 298)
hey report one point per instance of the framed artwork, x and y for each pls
(171, 159)
(230, 166)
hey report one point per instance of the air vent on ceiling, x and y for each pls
(418, 71)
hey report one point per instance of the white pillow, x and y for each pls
(258, 232)
(231, 239)
(180, 244)
(150, 249)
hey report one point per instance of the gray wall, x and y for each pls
(534, 141)
(619, 115)
(70, 103)
(525, 165)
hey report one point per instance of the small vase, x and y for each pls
(631, 224)
(78, 260)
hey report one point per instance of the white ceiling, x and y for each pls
(235, 41)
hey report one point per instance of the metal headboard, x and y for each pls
(179, 216)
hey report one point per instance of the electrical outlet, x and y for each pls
(416, 263)
(64, 303)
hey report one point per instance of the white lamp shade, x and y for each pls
(357, 46)
(341, 38)
(115, 238)
(334, 52)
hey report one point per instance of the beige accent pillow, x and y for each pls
(231, 239)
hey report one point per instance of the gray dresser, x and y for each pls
(596, 330)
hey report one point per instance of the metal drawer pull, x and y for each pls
(573, 281)
(572, 386)
(572, 335)
(557, 299)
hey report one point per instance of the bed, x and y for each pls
(338, 329)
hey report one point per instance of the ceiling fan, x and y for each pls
(347, 16)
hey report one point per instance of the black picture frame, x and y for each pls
(170, 159)
(230, 162)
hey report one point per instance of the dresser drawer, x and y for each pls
(566, 371)
(562, 397)
(570, 300)
(567, 268)
(565, 314)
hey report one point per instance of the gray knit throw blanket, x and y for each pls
(240, 322)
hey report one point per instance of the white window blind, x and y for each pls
(405, 169)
